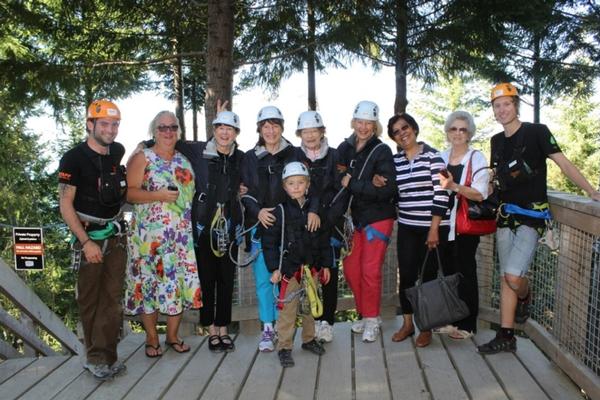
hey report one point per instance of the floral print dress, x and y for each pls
(162, 274)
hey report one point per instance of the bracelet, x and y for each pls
(455, 190)
(84, 242)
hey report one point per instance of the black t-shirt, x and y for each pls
(456, 171)
(536, 143)
(81, 167)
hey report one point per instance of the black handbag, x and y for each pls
(486, 209)
(436, 303)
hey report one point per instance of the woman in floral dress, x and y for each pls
(162, 276)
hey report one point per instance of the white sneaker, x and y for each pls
(266, 341)
(101, 372)
(318, 330)
(325, 332)
(371, 330)
(358, 326)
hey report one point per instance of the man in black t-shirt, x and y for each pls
(92, 189)
(519, 160)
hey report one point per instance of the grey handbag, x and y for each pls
(436, 303)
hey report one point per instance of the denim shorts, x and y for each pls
(516, 249)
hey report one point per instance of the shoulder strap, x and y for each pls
(281, 242)
(368, 157)
(469, 176)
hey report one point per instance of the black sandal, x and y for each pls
(227, 343)
(180, 344)
(214, 344)
(157, 350)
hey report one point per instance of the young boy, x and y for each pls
(300, 247)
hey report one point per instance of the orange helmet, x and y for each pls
(103, 109)
(503, 89)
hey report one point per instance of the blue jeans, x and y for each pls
(265, 292)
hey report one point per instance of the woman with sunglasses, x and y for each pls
(162, 276)
(459, 251)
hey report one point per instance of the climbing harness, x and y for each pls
(548, 239)
(219, 232)
(113, 228)
(348, 230)
(245, 257)
(312, 293)
(308, 289)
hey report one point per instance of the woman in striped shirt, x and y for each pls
(422, 213)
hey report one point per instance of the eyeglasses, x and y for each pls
(461, 130)
(402, 129)
(166, 128)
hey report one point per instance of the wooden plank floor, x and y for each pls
(350, 369)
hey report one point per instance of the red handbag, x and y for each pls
(466, 225)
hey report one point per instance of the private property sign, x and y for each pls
(29, 249)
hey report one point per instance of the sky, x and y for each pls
(338, 92)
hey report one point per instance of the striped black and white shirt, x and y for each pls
(419, 192)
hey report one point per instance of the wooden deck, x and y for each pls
(350, 369)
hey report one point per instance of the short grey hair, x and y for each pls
(154, 123)
(463, 116)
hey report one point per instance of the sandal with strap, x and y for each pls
(498, 345)
(460, 334)
(227, 343)
(214, 344)
(157, 350)
(179, 348)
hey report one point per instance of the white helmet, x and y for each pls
(293, 169)
(310, 119)
(227, 118)
(269, 112)
(366, 110)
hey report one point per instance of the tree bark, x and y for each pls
(219, 58)
(178, 88)
(310, 61)
(536, 78)
(194, 110)
(401, 61)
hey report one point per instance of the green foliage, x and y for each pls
(452, 94)
(577, 134)
(275, 40)
(28, 197)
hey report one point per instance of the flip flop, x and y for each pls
(179, 343)
(156, 348)
(445, 330)
(460, 334)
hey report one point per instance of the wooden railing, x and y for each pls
(28, 318)
(565, 320)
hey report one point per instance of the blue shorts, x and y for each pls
(516, 249)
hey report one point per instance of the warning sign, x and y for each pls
(29, 249)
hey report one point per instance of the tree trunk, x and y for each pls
(194, 110)
(310, 61)
(536, 78)
(219, 58)
(178, 88)
(401, 100)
